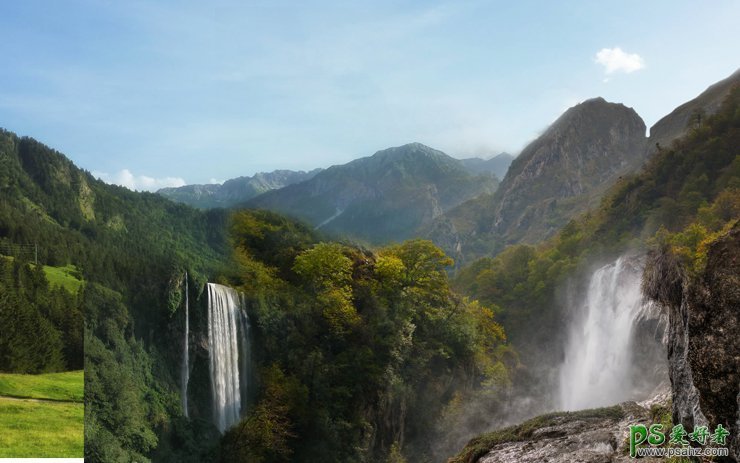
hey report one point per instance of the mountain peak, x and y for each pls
(409, 149)
(587, 147)
(596, 104)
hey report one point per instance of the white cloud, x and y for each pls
(215, 181)
(616, 60)
(139, 182)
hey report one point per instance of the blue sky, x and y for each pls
(157, 93)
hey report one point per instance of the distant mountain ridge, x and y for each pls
(497, 165)
(236, 190)
(383, 197)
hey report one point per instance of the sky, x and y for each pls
(153, 94)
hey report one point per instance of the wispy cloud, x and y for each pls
(139, 182)
(616, 60)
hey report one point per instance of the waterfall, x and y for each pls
(599, 355)
(185, 372)
(227, 336)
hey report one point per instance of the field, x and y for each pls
(41, 415)
(67, 277)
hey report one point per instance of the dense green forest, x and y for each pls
(360, 353)
(41, 323)
(125, 246)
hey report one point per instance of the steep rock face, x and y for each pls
(380, 198)
(680, 120)
(236, 190)
(588, 147)
(714, 335)
(663, 282)
(704, 350)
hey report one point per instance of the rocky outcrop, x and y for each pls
(588, 436)
(704, 334)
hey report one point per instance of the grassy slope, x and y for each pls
(67, 386)
(41, 429)
(64, 277)
(32, 428)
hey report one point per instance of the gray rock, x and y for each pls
(704, 335)
(588, 436)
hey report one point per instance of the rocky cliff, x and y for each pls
(588, 147)
(704, 334)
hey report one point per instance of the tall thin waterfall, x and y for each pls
(227, 335)
(598, 356)
(185, 372)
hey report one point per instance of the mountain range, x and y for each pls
(236, 190)
(415, 190)
(381, 198)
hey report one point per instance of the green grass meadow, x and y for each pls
(67, 386)
(33, 428)
(67, 277)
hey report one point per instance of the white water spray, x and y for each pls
(598, 357)
(185, 373)
(227, 333)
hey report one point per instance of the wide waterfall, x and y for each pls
(228, 343)
(599, 355)
(185, 372)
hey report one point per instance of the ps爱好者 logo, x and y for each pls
(652, 441)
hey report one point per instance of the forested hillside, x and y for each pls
(125, 246)
(41, 322)
(360, 354)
